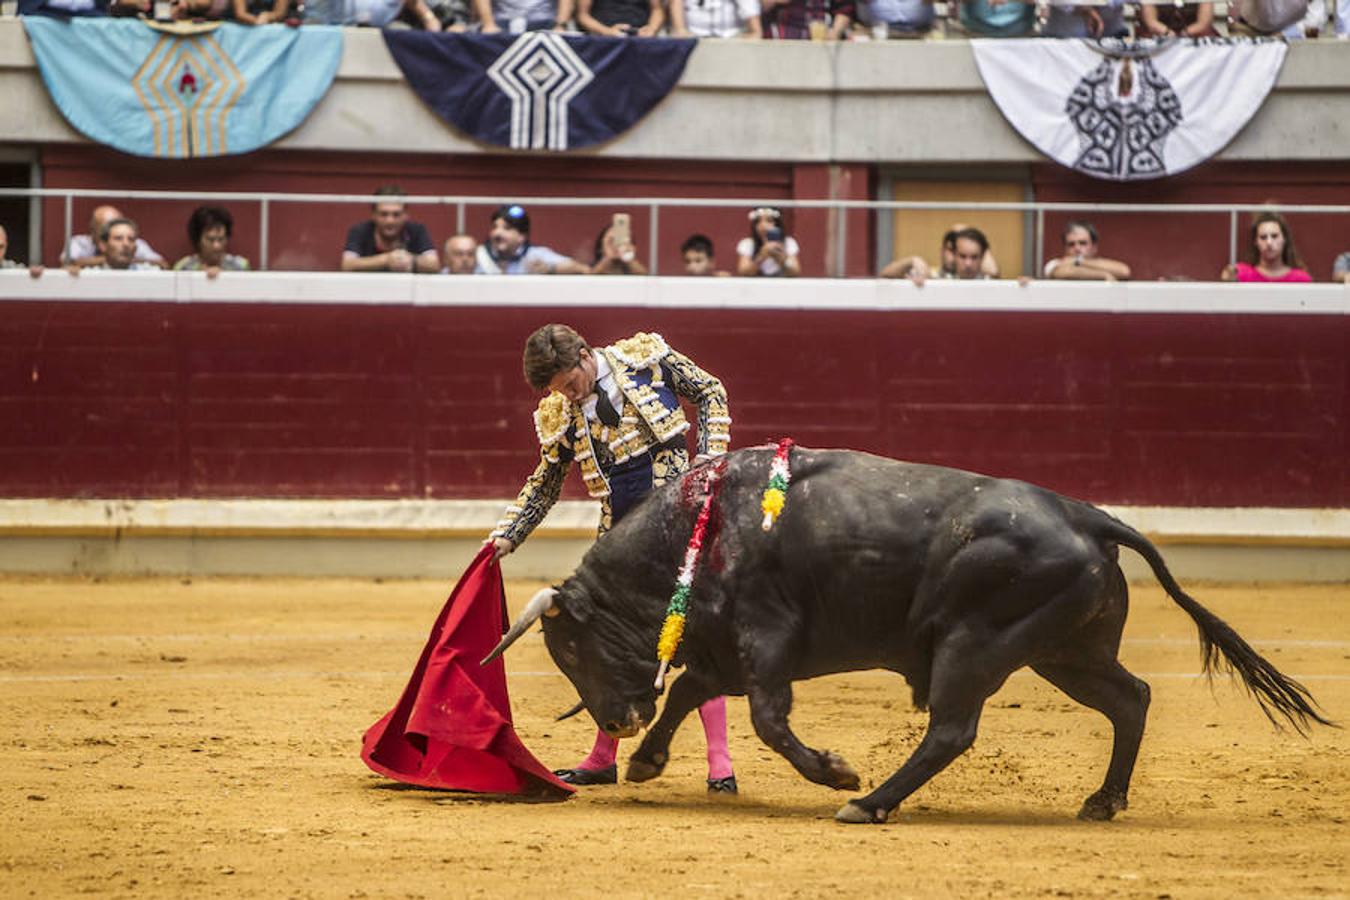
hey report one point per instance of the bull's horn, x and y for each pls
(539, 604)
(581, 704)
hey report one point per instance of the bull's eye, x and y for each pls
(569, 654)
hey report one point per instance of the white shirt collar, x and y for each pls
(604, 381)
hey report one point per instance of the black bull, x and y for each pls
(953, 580)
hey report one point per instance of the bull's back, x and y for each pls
(872, 554)
(846, 560)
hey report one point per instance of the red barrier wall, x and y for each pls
(115, 399)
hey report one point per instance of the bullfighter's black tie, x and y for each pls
(605, 409)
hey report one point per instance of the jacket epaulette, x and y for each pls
(552, 418)
(641, 350)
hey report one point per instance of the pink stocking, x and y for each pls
(607, 748)
(714, 716)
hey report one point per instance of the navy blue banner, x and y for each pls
(541, 90)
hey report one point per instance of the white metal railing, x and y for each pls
(836, 229)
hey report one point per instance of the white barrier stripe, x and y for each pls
(666, 292)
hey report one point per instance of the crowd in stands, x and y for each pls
(825, 20)
(390, 241)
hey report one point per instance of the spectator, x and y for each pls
(615, 253)
(621, 18)
(7, 263)
(917, 269)
(1270, 254)
(969, 249)
(1080, 260)
(454, 15)
(209, 229)
(997, 18)
(1340, 269)
(1169, 19)
(200, 9)
(516, 16)
(816, 20)
(1260, 17)
(389, 241)
(1315, 21)
(83, 249)
(716, 18)
(508, 250)
(988, 265)
(459, 254)
(699, 258)
(117, 248)
(261, 12)
(1069, 21)
(900, 18)
(373, 13)
(62, 9)
(769, 250)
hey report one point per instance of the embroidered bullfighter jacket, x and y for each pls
(652, 378)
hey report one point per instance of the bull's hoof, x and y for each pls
(853, 814)
(644, 770)
(1102, 806)
(839, 774)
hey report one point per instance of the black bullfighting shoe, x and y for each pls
(722, 785)
(607, 775)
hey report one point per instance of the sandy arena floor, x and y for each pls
(167, 738)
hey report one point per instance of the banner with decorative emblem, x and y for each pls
(1129, 111)
(186, 90)
(540, 90)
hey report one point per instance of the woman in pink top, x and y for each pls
(1270, 256)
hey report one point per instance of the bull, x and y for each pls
(952, 579)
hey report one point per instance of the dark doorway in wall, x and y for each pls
(14, 211)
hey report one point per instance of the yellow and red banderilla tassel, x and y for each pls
(678, 608)
(775, 495)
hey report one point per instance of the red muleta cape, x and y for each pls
(452, 727)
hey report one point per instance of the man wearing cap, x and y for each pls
(508, 250)
(616, 411)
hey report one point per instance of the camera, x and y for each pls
(774, 234)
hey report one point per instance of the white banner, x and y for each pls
(1129, 111)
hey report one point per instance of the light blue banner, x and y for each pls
(221, 91)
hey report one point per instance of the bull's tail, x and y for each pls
(1222, 647)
